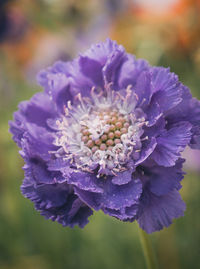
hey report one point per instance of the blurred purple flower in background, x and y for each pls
(13, 24)
(106, 134)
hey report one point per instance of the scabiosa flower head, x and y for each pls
(106, 134)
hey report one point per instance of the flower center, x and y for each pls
(101, 133)
(104, 130)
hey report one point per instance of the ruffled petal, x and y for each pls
(142, 89)
(122, 178)
(84, 83)
(124, 214)
(153, 113)
(162, 180)
(114, 196)
(162, 79)
(117, 199)
(58, 203)
(146, 151)
(130, 71)
(166, 88)
(156, 129)
(91, 199)
(72, 213)
(47, 195)
(37, 171)
(56, 84)
(91, 69)
(159, 211)
(46, 77)
(85, 181)
(101, 51)
(37, 142)
(113, 66)
(96, 67)
(187, 110)
(171, 143)
(36, 111)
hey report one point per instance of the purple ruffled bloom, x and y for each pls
(107, 134)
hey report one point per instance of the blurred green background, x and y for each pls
(34, 34)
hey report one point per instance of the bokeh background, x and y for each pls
(34, 34)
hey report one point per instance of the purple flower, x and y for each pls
(107, 134)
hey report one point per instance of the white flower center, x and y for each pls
(101, 133)
(104, 129)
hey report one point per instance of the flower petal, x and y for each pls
(84, 83)
(100, 52)
(56, 84)
(58, 203)
(36, 111)
(143, 88)
(124, 214)
(37, 142)
(91, 69)
(96, 67)
(166, 88)
(130, 71)
(159, 211)
(164, 179)
(91, 199)
(85, 181)
(187, 110)
(47, 195)
(171, 143)
(46, 77)
(114, 196)
(153, 113)
(122, 178)
(146, 151)
(113, 66)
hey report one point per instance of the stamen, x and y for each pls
(112, 127)
(126, 125)
(111, 135)
(95, 148)
(118, 124)
(117, 133)
(124, 130)
(109, 142)
(117, 141)
(85, 132)
(103, 147)
(90, 144)
(104, 137)
(98, 142)
(85, 138)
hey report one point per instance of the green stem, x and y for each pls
(147, 250)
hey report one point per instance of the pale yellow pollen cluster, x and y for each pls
(118, 125)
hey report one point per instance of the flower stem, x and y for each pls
(147, 250)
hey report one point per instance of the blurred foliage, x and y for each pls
(58, 30)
